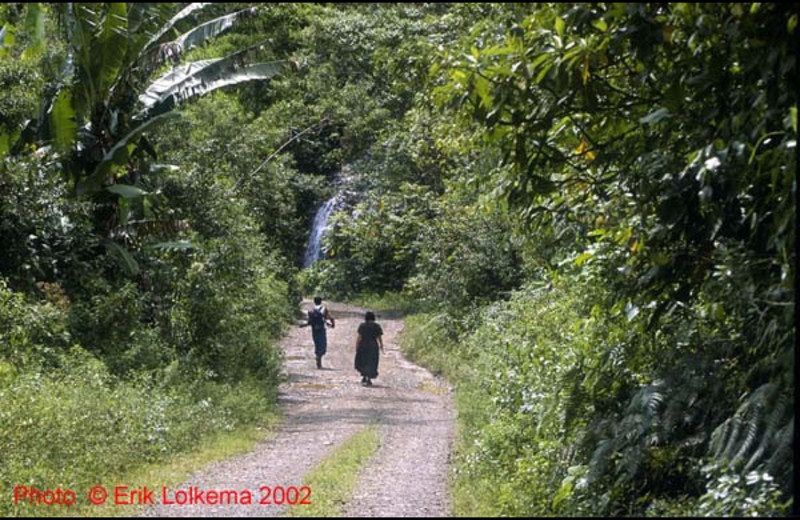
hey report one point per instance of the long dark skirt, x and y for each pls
(320, 341)
(367, 358)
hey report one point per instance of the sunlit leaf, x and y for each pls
(126, 191)
(125, 260)
(560, 26)
(7, 36)
(654, 116)
(600, 24)
(175, 245)
(62, 117)
(543, 72)
(583, 257)
(631, 311)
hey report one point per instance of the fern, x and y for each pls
(750, 435)
(772, 425)
(599, 462)
(782, 456)
(576, 398)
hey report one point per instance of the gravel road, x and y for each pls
(412, 409)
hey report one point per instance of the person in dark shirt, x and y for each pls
(318, 317)
(367, 355)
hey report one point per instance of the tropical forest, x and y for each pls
(575, 222)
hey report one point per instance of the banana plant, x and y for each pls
(108, 101)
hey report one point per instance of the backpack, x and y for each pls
(316, 317)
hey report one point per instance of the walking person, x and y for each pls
(318, 317)
(367, 355)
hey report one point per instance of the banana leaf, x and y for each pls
(126, 191)
(183, 13)
(210, 29)
(123, 258)
(111, 45)
(62, 116)
(198, 78)
(119, 152)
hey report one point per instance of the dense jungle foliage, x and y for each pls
(588, 208)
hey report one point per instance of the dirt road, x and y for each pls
(414, 412)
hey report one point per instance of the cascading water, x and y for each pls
(314, 246)
(341, 181)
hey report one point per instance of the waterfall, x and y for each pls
(314, 246)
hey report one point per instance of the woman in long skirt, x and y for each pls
(367, 355)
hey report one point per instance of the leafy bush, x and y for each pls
(79, 425)
(730, 494)
(47, 236)
(373, 245)
(68, 421)
(31, 335)
(468, 258)
(571, 408)
(20, 83)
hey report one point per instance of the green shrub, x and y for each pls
(108, 320)
(568, 406)
(31, 334)
(46, 236)
(79, 425)
(469, 257)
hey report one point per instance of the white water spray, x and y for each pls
(318, 229)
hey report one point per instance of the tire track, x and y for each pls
(414, 411)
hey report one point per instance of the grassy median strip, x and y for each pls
(334, 480)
